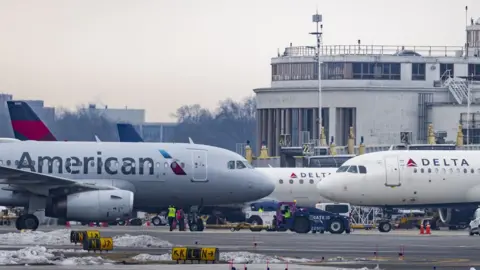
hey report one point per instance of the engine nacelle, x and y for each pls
(97, 205)
(456, 216)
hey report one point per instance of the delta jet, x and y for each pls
(446, 180)
(91, 181)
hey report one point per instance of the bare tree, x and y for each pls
(82, 125)
(231, 123)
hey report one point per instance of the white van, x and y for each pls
(343, 209)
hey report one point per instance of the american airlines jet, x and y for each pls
(291, 184)
(91, 181)
(447, 180)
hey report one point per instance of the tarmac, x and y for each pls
(443, 249)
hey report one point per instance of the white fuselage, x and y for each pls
(298, 184)
(407, 178)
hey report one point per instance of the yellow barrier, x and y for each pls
(207, 254)
(79, 236)
(100, 244)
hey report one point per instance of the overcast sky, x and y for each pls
(161, 54)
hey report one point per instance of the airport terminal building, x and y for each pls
(383, 92)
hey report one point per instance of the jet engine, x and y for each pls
(97, 205)
(456, 216)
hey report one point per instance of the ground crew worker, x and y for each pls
(171, 216)
(287, 214)
(260, 210)
(181, 219)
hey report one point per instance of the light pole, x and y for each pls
(468, 110)
(317, 19)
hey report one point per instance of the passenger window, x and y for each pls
(415, 170)
(311, 181)
(429, 170)
(436, 170)
(291, 181)
(362, 169)
(342, 169)
(353, 169)
(231, 165)
(465, 170)
(240, 165)
(280, 181)
(444, 170)
(472, 171)
(458, 170)
(422, 170)
(301, 181)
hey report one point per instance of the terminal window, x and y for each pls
(474, 70)
(418, 71)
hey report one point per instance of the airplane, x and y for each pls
(444, 180)
(91, 181)
(291, 184)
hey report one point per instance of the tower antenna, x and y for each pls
(317, 19)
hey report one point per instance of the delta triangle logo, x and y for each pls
(411, 163)
(293, 175)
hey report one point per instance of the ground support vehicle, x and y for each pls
(303, 220)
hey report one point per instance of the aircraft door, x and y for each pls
(199, 165)
(392, 172)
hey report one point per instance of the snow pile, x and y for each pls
(42, 255)
(28, 255)
(140, 241)
(58, 237)
(234, 257)
(152, 258)
(62, 237)
(83, 261)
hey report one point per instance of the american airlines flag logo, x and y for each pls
(411, 163)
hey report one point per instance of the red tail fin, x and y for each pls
(26, 124)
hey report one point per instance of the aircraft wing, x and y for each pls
(42, 184)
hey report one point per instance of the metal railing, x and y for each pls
(372, 50)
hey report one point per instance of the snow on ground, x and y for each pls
(42, 255)
(235, 257)
(57, 237)
(62, 237)
(140, 241)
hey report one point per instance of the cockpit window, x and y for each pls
(240, 165)
(362, 169)
(353, 169)
(231, 165)
(342, 169)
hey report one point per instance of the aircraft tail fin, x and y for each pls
(26, 124)
(97, 139)
(190, 140)
(127, 133)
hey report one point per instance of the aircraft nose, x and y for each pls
(330, 187)
(263, 184)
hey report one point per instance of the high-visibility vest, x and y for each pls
(260, 210)
(287, 214)
(171, 212)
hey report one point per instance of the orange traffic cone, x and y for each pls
(67, 224)
(104, 224)
(428, 228)
(90, 224)
(421, 228)
(147, 223)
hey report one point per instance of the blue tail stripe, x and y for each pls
(165, 154)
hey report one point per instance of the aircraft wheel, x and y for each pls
(27, 222)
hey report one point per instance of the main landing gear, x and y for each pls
(195, 223)
(27, 222)
(384, 224)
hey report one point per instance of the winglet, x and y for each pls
(26, 124)
(270, 166)
(190, 140)
(97, 139)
